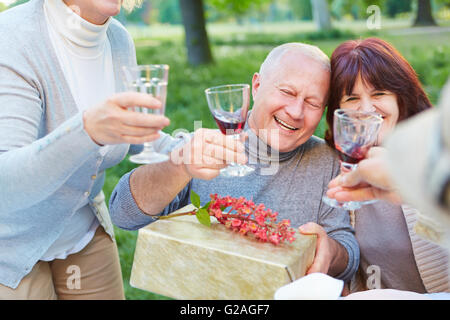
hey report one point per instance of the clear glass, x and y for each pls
(229, 106)
(151, 79)
(354, 132)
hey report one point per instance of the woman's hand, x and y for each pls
(369, 181)
(113, 123)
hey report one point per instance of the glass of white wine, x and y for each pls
(151, 79)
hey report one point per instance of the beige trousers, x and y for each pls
(92, 273)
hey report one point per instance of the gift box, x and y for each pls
(183, 259)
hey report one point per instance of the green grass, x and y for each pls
(237, 56)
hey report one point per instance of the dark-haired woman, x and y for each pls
(371, 75)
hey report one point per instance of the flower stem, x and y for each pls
(176, 215)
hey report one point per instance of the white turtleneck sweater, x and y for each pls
(84, 53)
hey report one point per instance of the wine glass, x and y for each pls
(151, 79)
(355, 132)
(229, 106)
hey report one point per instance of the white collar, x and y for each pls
(82, 37)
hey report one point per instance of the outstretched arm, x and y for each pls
(157, 188)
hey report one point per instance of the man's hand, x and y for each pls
(331, 257)
(369, 181)
(207, 153)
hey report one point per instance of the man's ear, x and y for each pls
(255, 84)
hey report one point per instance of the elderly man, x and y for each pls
(289, 93)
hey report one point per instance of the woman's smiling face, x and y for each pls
(366, 98)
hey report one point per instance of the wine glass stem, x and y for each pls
(148, 147)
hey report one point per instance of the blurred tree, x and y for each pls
(394, 7)
(321, 14)
(424, 15)
(145, 11)
(237, 7)
(3, 7)
(302, 9)
(197, 43)
(357, 9)
(169, 12)
(444, 3)
(193, 17)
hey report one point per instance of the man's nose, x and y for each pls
(296, 109)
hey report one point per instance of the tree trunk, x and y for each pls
(146, 12)
(321, 14)
(424, 16)
(197, 43)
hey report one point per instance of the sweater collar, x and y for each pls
(258, 150)
(83, 37)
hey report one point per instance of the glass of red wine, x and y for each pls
(355, 132)
(229, 107)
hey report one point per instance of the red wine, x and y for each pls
(346, 158)
(225, 123)
(353, 155)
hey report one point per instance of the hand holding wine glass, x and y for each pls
(369, 181)
(355, 132)
(151, 80)
(111, 122)
(229, 106)
(207, 153)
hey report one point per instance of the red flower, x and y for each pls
(244, 216)
(236, 222)
(260, 219)
(274, 238)
(253, 227)
(262, 234)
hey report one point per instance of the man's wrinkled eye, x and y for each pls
(314, 105)
(289, 93)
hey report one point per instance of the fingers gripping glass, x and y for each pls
(355, 132)
(229, 106)
(151, 79)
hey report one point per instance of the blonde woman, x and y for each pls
(63, 121)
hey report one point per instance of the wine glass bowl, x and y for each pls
(229, 107)
(354, 132)
(150, 79)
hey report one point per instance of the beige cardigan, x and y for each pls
(432, 260)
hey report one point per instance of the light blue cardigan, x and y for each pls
(48, 163)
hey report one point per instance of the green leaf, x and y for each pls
(206, 206)
(203, 217)
(195, 199)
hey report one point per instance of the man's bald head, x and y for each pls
(275, 56)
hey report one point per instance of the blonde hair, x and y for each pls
(129, 5)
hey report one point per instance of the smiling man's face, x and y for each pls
(289, 98)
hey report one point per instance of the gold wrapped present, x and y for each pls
(183, 259)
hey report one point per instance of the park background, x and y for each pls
(214, 42)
